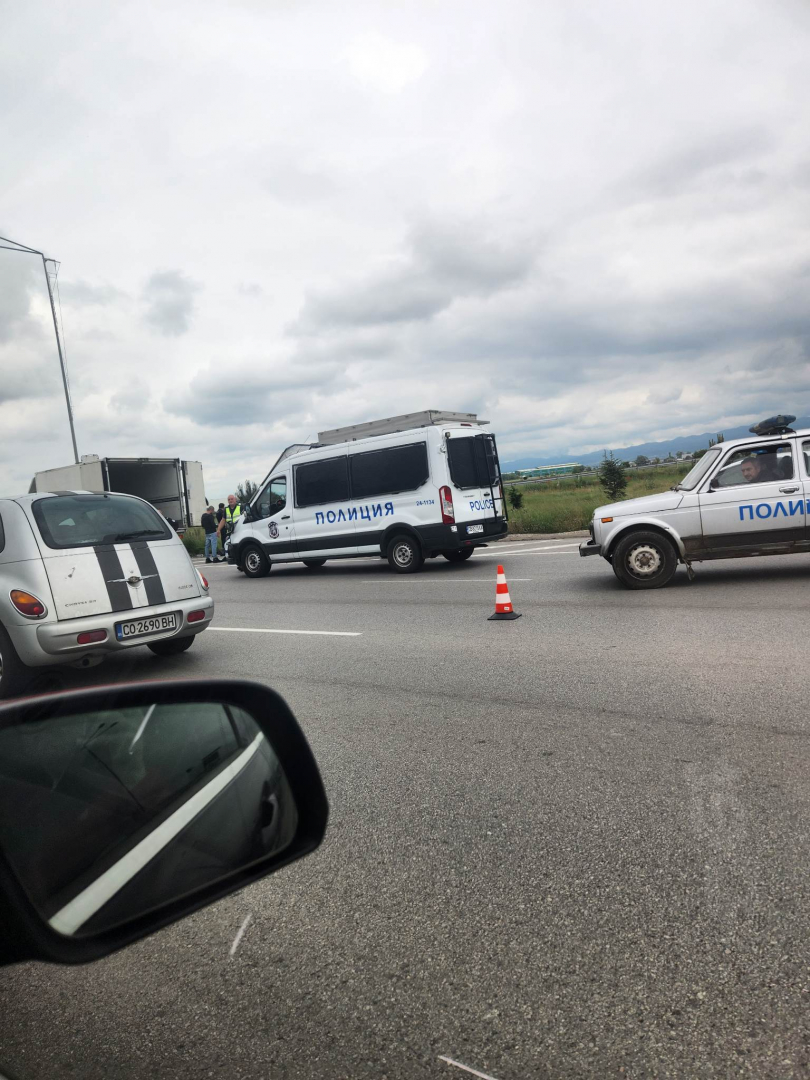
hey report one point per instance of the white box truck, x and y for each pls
(173, 486)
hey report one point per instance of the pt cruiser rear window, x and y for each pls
(71, 521)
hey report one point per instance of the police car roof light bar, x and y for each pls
(774, 425)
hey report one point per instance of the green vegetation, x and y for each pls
(194, 539)
(568, 503)
(612, 478)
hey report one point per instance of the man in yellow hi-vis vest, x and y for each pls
(232, 511)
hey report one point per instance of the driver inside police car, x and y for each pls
(759, 470)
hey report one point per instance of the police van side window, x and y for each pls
(272, 499)
(805, 451)
(322, 482)
(2, 536)
(385, 472)
(756, 465)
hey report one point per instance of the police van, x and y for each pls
(407, 488)
(742, 498)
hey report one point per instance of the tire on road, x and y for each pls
(172, 646)
(458, 556)
(254, 562)
(405, 554)
(314, 564)
(14, 674)
(644, 559)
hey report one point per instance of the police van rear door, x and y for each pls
(475, 475)
(106, 553)
(754, 499)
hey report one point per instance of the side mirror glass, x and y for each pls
(715, 484)
(124, 809)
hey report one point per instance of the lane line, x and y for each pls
(258, 630)
(432, 581)
(240, 933)
(90, 900)
(466, 1068)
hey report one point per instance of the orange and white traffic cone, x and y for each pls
(503, 603)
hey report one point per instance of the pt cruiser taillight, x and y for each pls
(27, 604)
(446, 500)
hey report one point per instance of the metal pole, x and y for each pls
(61, 358)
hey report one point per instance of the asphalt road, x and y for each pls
(573, 845)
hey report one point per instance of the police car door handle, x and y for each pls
(285, 517)
(789, 490)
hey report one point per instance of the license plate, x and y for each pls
(152, 624)
(475, 528)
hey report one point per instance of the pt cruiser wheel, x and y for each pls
(405, 555)
(644, 560)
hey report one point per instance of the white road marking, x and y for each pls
(90, 900)
(466, 1068)
(239, 934)
(258, 630)
(432, 581)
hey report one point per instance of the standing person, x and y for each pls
(233, 511)
(209, 523)
(220, 519)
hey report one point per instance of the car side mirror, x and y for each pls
(123, 809)
(715, 484)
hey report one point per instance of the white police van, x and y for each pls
(742, 498)
(407, 488)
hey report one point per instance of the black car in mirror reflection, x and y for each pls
(107, 815)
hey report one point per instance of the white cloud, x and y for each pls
(386, 65)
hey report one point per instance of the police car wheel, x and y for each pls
(14, 675)
(313, 564)
(644, 560)
(255, 563)
(405, 555)
(172, 646)
(458, 556)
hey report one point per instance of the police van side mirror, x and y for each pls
(715, 484)
(124, 809)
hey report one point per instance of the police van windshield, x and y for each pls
(70, 521)
(696, 474)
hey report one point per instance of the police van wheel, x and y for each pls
(644, 560)
(314, 564)
(458, 556)
(172, 646)
(405, 555)
(255, 563)
(14, 674)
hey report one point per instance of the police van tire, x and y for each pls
(14, 674)
(254, 562)
(405, 554)
(172, 646)
(314, 564)
(458, 556)
(644, 560)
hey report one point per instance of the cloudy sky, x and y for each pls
(589, 223)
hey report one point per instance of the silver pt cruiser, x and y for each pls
(83, 575)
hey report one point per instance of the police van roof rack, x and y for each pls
(774, 425)
(406, 422)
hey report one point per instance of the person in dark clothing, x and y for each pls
(209, 523)
(759, 470)
(220, 518)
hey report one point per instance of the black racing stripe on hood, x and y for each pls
(149, 572)
(113, 574)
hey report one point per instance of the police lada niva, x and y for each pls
(742, 498)
(83, 575)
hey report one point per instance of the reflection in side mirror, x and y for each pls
(138, 801)
(715, 484)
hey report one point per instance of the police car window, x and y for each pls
(806, 451)
(272, 499)
(698, 471)
(384, 472)
(322, 482)
(2, 536)
(756, 465)
(67, 521)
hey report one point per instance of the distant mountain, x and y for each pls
(687, 443)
